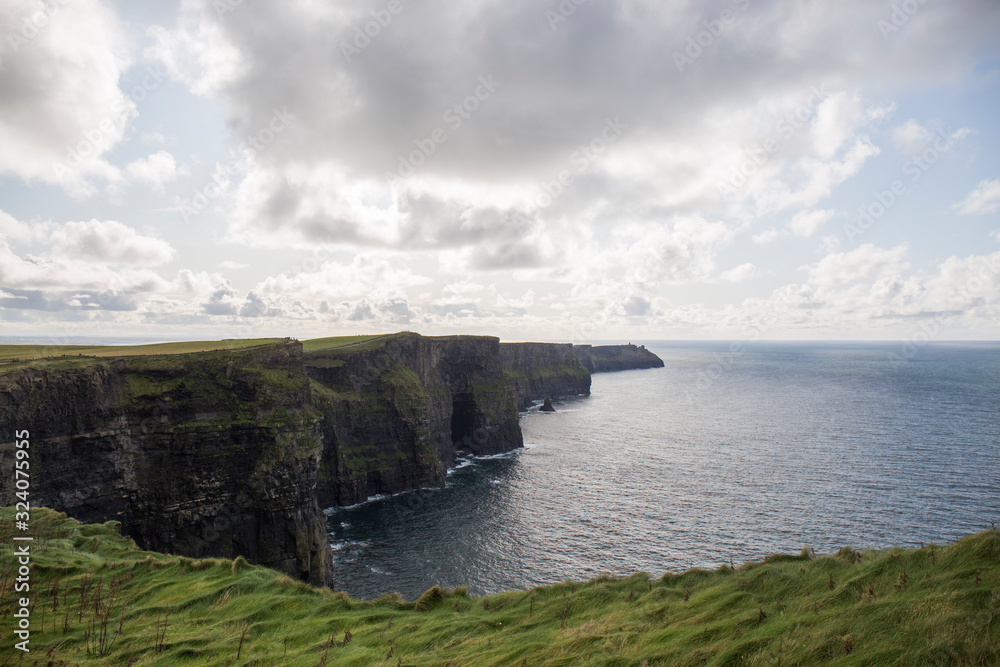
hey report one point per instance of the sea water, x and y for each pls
(729, 453)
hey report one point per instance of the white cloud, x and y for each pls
(984, 199)
(836, 122)
(856, 266)
(767, 236)
(803, 225)
(462, 287)
(32, 272)
(197, 51)
(911, 138)
(634, 241)
(372, 276)
(739, 274)
(109, 242)
(807, 223)
(59, 98)
(155, 170)
(323, 179)
(12, 228)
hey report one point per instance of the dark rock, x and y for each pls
(609, 358)
(547, 406)
(543, 370)
(397, 410)
(212, 454)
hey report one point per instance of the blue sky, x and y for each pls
(238, 168)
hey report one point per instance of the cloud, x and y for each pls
(911, 138)
(156, 170)
(739, 274)
(78, 56)
(62, 273)
(323, 180)
(803, 225)
(196, 51)
(109, 242)
(807, 223)
(858, 265)
(768, 236)
(12, 228)
(374, 277)
(984, 199)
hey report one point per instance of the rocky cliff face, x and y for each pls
(543, 370)
(397, 411)
(212, 454)
(234, 452)
(608, 358)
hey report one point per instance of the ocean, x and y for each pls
(728, 454)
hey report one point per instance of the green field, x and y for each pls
(25, 352)
(31, 352)
(318, 344)
(99, 600)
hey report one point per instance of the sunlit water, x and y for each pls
(709, 459)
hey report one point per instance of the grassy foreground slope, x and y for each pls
(99, 600)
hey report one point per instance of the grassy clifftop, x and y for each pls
(98, 600)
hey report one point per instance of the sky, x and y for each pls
(533, 169)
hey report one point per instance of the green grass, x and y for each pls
(318, 344)
(25, 352)
(931, 606)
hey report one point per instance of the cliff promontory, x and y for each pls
(397, 410)
(234, 451)
(609, 358)
(210, 454)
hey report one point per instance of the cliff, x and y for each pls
(398, 409)
(551, 370)
(211, 454)
(608, 358)
(234, 451)
(543, 370)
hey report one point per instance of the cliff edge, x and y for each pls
(610, 358)
(234, 451)
(209, 454)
